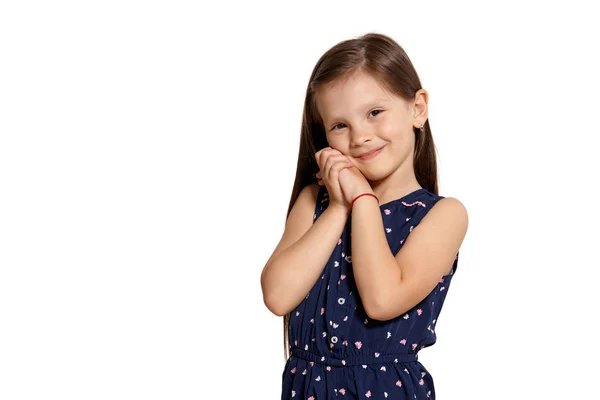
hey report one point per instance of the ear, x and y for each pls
(420, 109)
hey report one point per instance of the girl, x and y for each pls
(365, 262)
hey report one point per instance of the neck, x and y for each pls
(396, 185)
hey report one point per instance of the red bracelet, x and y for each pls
(360, 195)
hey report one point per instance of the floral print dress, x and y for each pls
(337, 351)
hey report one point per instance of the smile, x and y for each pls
(371, 155)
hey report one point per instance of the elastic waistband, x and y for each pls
(352, 360)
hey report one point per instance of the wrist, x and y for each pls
(364, 195)
(339, 209)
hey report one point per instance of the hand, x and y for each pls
(331, 162)
(353, 182)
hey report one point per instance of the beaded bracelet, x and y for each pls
(364, 194)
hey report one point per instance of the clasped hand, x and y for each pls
(341, 178)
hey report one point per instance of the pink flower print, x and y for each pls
(441, 280)
(311, 398)
(331, 345)
(342, 391)
(312, 363)
(293, 371)
(419, 311)
(345, 343)
(403, 341)
(387, 212)
(401, 241)
(296, 342)
(358, 345)
(328, 368)
(414, 346)
(398, 383)
(322, 310)
(421, 382)
(342, 277)
(368, 394)
(314, 339)
(339, 241)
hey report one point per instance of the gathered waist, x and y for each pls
(351, 360)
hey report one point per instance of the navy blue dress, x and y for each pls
(337, 351)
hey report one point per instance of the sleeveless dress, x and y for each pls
(337, 351)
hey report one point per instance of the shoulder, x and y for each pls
(306, 202)
(309, 193)
(449, 211)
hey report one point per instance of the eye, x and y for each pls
(334, 127)
(377, 111)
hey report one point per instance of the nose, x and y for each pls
(360, 135)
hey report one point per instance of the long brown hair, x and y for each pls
(385, 60)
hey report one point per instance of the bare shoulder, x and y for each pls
(300, 219)
(306, 201)
(451, 210)
(447, 217)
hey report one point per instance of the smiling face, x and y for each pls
(360, 115)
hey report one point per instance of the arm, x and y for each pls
(390, 286)
(304, 249)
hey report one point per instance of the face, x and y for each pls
(360, 116)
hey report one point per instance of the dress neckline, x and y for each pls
(414, 192)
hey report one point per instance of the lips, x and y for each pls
(370, 154)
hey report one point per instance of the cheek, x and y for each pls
(336, 143)
(388, 130)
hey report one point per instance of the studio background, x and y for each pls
(147, 157)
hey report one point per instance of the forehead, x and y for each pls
(351, 94)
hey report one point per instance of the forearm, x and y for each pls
(376, 271)
(290, 275)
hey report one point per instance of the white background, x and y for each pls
(147, 156)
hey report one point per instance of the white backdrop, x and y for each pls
(147, 156)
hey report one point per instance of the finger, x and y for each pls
(332, 159)
(319, 154)
(334, 171)
(342, 161)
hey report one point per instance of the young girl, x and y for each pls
(369, 248)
